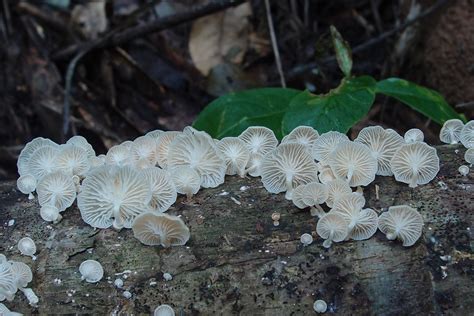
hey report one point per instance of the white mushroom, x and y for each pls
(160, 229)
(254, 166)
(463, 170)
(450, 133)
(236, 155)
(80, 141)
(186, 180)
(336, 189)
(383, 143)
(413, 135)
(415, 164)
(469, 156)
(91, 271)
(163, 191)
(27, 185)
(297, 198)
(143, 151)
(50, 213)
(21, 273)
(72, 160)
(325, 174)
(333, 228)
(320, 306)
(467, 135)
(118, 155)
(259, 139)
(163, 143)
(113, 196)
(304, 135)
(315, 194)
(199, 152)
(8, 286)
(42, 162)
(286, 167)
(56, 189)
(325, 144)
(164, 310)
(306, 239)
(29, 149)
(401, 222)
(27, 247)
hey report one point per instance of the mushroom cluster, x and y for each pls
(455, 131)
(14, 276)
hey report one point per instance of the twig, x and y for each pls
(359, 48)
(465, 105)
(160, 24)
(47, 18)
(274, 44)
(375, 12)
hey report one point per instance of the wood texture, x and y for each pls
(237, 262)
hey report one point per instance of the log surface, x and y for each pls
(237, 262)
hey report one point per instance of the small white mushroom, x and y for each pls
(27, 185)
(118, 283)
(254, 165)
(298, 196)
(118, 155)
(80, 141)
(21, 273)
(325, 144)
(163, 143)
(160, 229)
(354, 163)
(336, 189)
(463, 170)
(333, 228)
(304, 135)
(314, 195)
(50, 213)
(467, 135)
(306, 239)
(365, 226)
(286, 167)
(57, 189)
(236, 155)
(415, 164)
(320, 306)
(164, 310)
(450, 133)
(401, 222)
(413, 135)
(259, 139)
(42, 162)
(72, 160)
(469, 156)
(91, 271)
(325, 174)
(27, 247)
(143, 151)
(186, 180)
(167, 276)
(29, 150)
(8, 286)
(163, 191)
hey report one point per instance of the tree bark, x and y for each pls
(237, 261)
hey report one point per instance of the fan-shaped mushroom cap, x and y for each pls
(315, 194)
(463, 170)
(113, 195)
(325, 174)
(333, 228)
(56, 189)
(306, 239)
(298, 196)
(163, 191)
(162, 147)
(304, 135)
(143, 150)
(118, 155)
(336, 189)
(29, 150)
(354, 163)
(198, 152)
(21, 273)
(259, 139)
(235, 153)
(325, 144)
(383, 143)
(26, 184)
(82, 143)
(155, 134)
(349, 204)
(415, 164)
(450, 133)
(27, 246)
(164, 310)
(320, 306)
(42, 161)
(469, 156)
(91, 271)
(286, 167)
(467, 135)
(8, 286)
(254, 166)
(160, 229)
(72, 160)
(413, 135)
(50, 213)
(186, 180)
(365, 225)
(402, 222)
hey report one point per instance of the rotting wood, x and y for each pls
(238, 262)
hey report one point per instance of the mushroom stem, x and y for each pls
(30, 295)
(31, 196)
(189, 196)
(289, 188)
(317, 210)
(391, 236)
(413, 183)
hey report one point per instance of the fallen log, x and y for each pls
(238, 262)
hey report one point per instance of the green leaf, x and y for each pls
(424, 100)
(338, 110)
(231, 114)
(343, 52)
